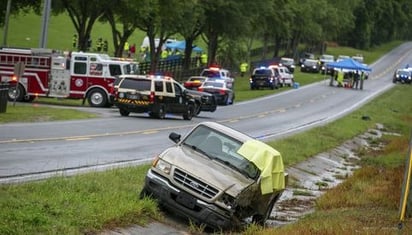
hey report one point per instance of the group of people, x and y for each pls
(351, 79)
(101, 45)
(129, 51)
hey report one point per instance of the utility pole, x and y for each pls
(45, 23)
(6, 23)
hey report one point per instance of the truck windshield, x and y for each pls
(222, 148)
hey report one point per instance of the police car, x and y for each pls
(402, 76)
(221, 89)
(158, 95)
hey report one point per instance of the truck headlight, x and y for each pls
(162, 165)
(228, 201)
(121, 95)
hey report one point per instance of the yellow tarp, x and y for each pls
(270, 163)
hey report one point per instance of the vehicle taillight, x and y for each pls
(222, 92)
(200, 89)
(152, 97)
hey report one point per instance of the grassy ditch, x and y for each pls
(366, 202)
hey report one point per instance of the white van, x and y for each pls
(285, 76)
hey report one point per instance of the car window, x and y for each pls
(158, 86)
(136, 84)
(178, 91)
(169, 87)
(115, 69)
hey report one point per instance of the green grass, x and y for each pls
(73, 205)
(24, 31)
(366, 203)
(35, 113)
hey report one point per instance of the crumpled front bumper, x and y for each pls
(185, 204)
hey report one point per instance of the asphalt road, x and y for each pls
(37, 150)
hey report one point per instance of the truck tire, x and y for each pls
(16, 93)
(160, 114)
(97, 98)
(261, 219)
(198, 109)
(189, 112)
(124, 112)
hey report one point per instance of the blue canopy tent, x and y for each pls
(349, 64)
(181, 45)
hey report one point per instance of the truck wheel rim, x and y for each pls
(97, 98)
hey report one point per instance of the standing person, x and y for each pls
(243, 69)
(126, 48)
(362, 78)
(99, 44)
(203, 59)
(74, 41)
(105, 46)
(340, 78)
(356, 78)
(132, 50)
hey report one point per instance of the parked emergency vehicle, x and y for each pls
(75, 75)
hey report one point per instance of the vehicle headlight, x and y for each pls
(228, 201)
(162, 165)
(121, 95)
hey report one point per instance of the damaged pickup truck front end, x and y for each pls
(217, 176)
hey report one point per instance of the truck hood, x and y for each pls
(206, 170)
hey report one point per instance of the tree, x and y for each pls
(225, 19)
(157, 19)
(83, 14)
(123, 12)
(19, 6)
(190, 26)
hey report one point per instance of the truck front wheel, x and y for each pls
(15, 93)
(97, 98)
(261, 219)
(189, 113)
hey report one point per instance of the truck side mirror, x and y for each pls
(174, 137)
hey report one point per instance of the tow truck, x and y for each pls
(50, 73)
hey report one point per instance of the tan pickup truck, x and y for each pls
(217, 176)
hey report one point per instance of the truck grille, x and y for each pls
(194, 184)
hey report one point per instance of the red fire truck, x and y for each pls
(74, 75)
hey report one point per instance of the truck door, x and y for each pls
(78, 80)
(179, 102)
(59, 84)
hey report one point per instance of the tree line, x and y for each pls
(231, 28)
